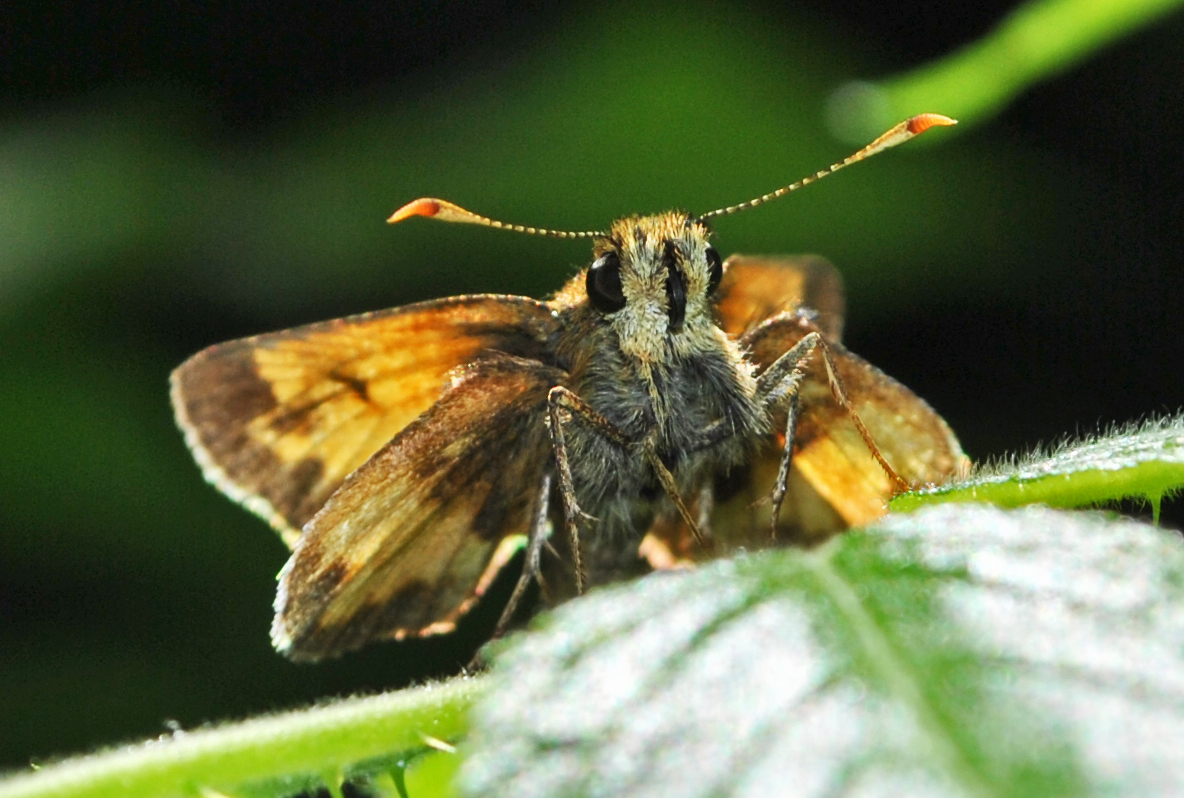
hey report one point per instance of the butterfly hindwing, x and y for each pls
(402, 545)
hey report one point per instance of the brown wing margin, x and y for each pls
(278, 421)
(757, 287)
(402, 546)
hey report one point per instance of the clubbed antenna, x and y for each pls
(897, 135)
(447, 212)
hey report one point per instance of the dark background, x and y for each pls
(172, 177)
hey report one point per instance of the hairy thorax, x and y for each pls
(674, 402)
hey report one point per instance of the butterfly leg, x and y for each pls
(670, 485)
(782, 484)
(564, 405)
(785, 375)
(706, 508)
(840, 394)
(782, 380)
(531, 568)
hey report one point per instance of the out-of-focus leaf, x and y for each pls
(960, 650)
(1137, 460)
(1036, 41)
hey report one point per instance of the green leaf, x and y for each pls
(1136, 460)
(960, 650)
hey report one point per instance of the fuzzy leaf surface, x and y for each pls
(1136, 460)
(960, 650)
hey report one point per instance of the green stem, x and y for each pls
(312, 741)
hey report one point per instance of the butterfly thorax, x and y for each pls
(641, 345)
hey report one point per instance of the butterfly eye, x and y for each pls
(715, 268)
(604, 283)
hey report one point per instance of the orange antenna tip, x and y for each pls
(922, 122)
(445, 211)
(424, 206)
(897, 134)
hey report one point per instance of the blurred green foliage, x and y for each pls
(1032, 43)
(1024, 278)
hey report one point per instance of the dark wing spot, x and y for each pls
(510, 340)
(356, 385)
(322, 586)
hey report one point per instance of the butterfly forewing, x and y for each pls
(757, 287)
(402, 545)
(278, 421)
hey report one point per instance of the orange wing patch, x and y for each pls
(404, 546)
(758, 287)
(278, 421)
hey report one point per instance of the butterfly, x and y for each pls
(664, 406)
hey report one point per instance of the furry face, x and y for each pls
(654, 275)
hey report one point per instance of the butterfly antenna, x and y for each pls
(445, 211)
(897, 135)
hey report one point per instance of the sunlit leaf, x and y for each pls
(1137, 460)
(960, 650)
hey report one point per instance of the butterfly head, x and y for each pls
(652, 279)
